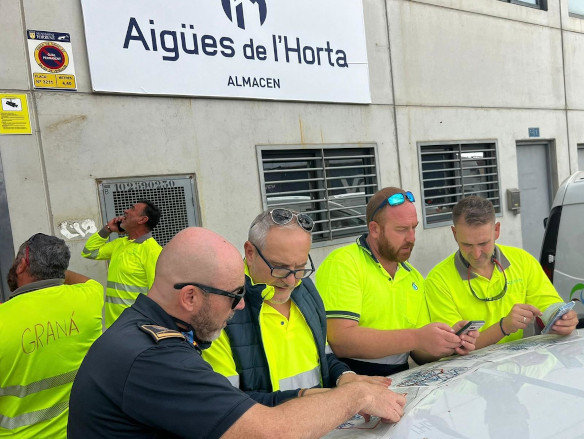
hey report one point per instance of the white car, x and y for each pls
(562, 253)
(530, 388)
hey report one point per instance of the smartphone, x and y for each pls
(473, 325)
(119, 224)
(557, 315)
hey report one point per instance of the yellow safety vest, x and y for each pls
(131, 269)
(289, 347)
(45, 333)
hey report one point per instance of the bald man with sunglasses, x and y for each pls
(145, 378)
(504, 286)
(374, 298)
(276, 348)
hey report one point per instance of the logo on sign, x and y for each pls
(238, 10)
(51, 57)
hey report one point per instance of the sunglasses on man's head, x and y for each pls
(283, 216)
(236, 294)
(394, 200)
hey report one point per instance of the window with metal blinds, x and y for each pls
(331, 183)
(452, 171)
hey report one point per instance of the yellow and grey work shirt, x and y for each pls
(355, 286)
(46, 328)
(289, 347)
(450, 299)
(131, 269)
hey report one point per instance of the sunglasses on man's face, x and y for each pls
(236, 294)
(394, 200)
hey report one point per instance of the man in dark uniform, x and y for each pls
(145, 376)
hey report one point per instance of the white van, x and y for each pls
(562, 253)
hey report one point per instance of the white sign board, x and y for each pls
(51, 60)
(302, 50)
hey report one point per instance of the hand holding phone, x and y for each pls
(557, 315)
(473, 325)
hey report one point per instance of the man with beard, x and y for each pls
(46, 327)
(376, 307)
(132, 257)
(145, 376)
(502, 285)
(276, 348)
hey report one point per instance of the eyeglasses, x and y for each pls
(283, 272)
(489, 299)
(394, 200)
(236, 294)
(282, 217)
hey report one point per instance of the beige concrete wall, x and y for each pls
(442, 70)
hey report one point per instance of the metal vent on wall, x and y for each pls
(175, 197)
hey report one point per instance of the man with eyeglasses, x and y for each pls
(504, 286)
(46, 327)
(145, 376)
(132, 257)
(276, 349)
(374, 298)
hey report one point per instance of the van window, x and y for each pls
(568, 268)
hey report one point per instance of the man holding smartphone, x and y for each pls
(132, 257)
(504, 286)
(374, 298)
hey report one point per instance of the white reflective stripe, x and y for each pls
(304, 380)
(391, 359)
(126, 287)
(328, 350)
(234, 380)
(32, 418)
(119, 301)
(37, 386)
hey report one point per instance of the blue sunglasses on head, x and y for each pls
(394, 200)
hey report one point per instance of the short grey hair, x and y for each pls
(474, 211)
(261, 225)
(48, 256)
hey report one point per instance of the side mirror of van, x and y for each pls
(545, 222)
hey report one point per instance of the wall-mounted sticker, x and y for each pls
(14, 118)
(51, 60)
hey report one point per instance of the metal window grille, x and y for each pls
(333, 184)
(450, 172)
(174, 196)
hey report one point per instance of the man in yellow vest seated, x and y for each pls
(276, 348)
(46, 328)
(504, 286)
(132, 257)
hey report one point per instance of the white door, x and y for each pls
(533, 167)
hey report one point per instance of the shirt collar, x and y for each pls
(38, 285)
(462, 265)
(153, 311)
(142, 238)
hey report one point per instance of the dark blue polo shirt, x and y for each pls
(132, 386)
